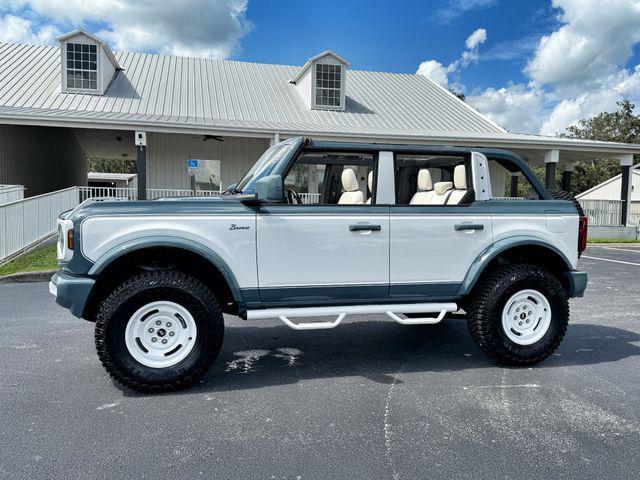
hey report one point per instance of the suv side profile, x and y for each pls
(326, 229)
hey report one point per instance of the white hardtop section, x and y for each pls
(481, 177)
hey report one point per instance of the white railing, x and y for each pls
(11, 193)
(132, 193)
(25, 222)
(310, 198)
(609, 212)
(117, 192)
(178, 192)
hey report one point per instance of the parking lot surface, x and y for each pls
(369, 399)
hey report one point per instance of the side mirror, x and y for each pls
(270, 189)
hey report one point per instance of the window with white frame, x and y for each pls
(328, 85)
(82, 66)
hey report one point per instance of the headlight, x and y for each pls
(65, 240)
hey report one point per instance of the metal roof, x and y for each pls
(194, 95)
(197, 91)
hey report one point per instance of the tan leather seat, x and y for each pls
(352, 195)
(459, 185)
(424, 195)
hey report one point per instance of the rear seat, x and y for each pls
(460, 185)
(442, 190)
(425, 192)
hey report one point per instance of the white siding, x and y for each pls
(303, 85)
(611, 190)
(167, 156)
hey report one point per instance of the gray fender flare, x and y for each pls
(495, 249)
(175, 242)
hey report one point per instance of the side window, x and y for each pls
(432, 180)
(509, 183)
(330, 178)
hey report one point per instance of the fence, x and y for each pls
(153, 193)
(608, 212)
(25, 222)
(11, 193)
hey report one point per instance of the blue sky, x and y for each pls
(533, 66)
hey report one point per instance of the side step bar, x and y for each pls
(392, 310)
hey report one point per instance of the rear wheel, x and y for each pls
(159, 331)
(519, 314)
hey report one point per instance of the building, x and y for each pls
(610, 189)
(61, 105)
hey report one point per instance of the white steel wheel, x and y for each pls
(526, 317)
(160, 334)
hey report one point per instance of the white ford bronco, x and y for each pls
(326, 229)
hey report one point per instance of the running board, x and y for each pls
(392, 310)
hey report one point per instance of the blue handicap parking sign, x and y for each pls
(192, 164)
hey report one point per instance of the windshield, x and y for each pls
(263, 167)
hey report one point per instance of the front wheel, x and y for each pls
(519, 314)
(159, 331)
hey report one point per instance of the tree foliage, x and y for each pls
(619, 126)
(110, 165)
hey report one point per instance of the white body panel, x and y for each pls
(307, 250)
(426, 248)
(235, 247)
(558, 230)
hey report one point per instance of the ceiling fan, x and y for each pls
(212, 137)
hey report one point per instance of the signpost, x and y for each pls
(192, 166)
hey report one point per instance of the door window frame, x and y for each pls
(375, 162)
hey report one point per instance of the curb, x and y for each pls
(28, 277)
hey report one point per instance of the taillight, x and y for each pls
(70, 239)
(583, 225)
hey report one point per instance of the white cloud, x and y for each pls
(207, 28)
(456, 8)
(474, 40)
(516, 107)
(435, 71)
(20, 30)
(596, 39)
(440, 74)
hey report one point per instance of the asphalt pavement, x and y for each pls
(369, 399)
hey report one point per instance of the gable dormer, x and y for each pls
(321, 81)
(88, 64)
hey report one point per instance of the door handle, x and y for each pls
(468, 226)
(362, 227)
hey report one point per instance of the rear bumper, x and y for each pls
(577, 283)
(71, 291)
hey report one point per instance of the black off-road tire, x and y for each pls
(485, 307)
(139, 290)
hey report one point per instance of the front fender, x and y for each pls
(495, 249)
(168, 241)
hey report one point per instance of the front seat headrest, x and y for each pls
(442, 187)
(424, 180)
(370, 181)
(349, 180)
(460, 177)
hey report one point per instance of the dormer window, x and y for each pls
(82, 66)
(88, 64)
(321, 82)
(328, 85)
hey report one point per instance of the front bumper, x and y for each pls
(71, 291)
(577, 283)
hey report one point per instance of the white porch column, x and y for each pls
(626, 161)
(275, 139)
(551, 159)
